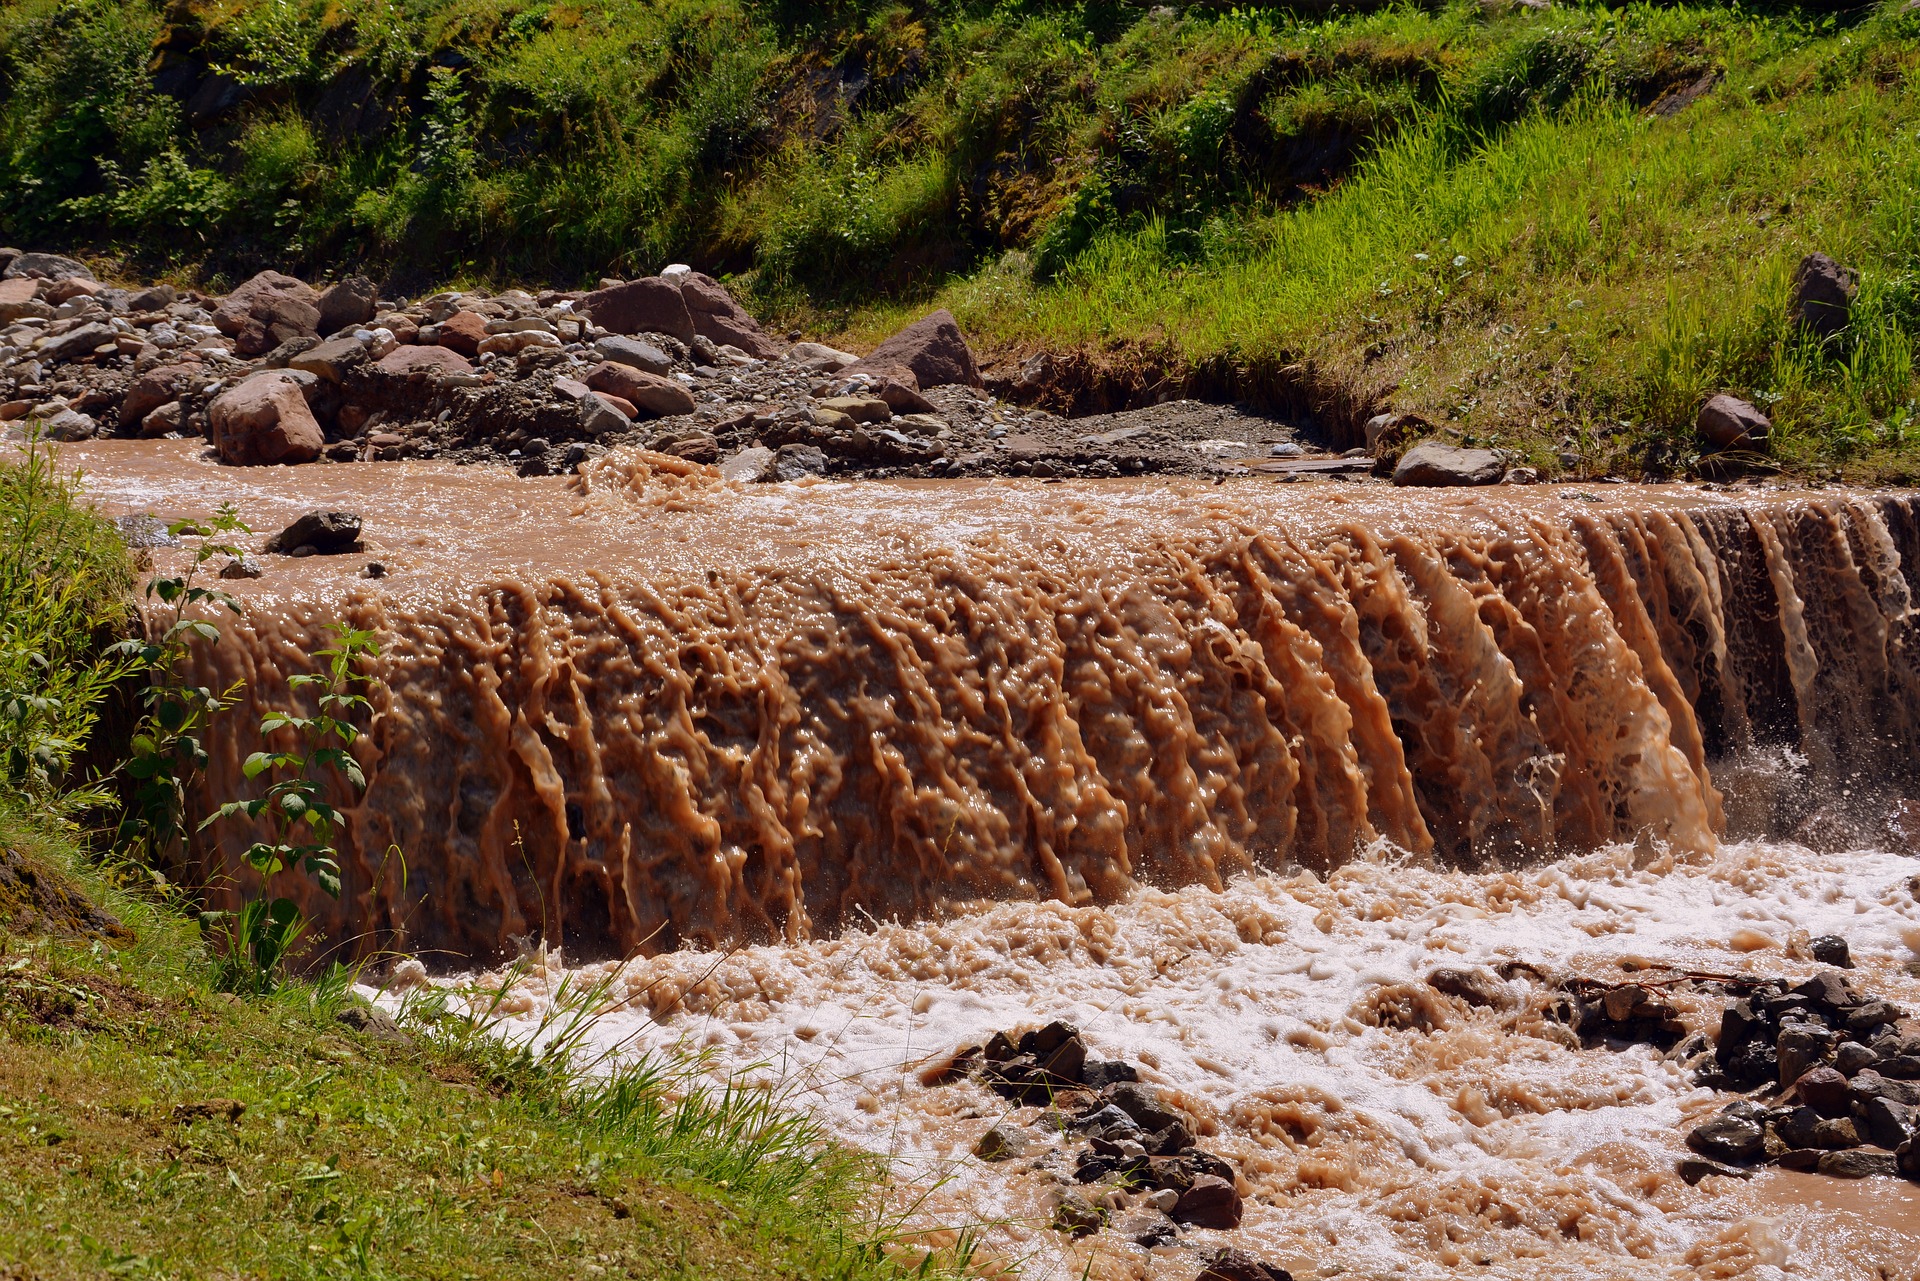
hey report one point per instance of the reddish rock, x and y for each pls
(661, 397)
(650, 306)
(162, 420)
(266, 311)
(622, 404)
(264, 420)
(59, 291)
(155, 388)
(423, 362)
(718, 318)
(346, 303)
(931, 352)
(1211, 1202)
(1825, 1091)
(903, 399)
(1732, 423)
(463, 332)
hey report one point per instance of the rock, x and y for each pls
(327, 533)
(1831, 949)
(166, 418)
(859, 409)
(1856, 1164)
(76, 343)
(1001, 1143)
(153, 389)
(1096, 1074)
(463, 332)
(346, 304)
(1800, 1046)
(7, 257)
(649, 393)
(931, 349)
(650, 306)
(1906, 1159)
(695, 447)
(1171, 1141)
(512, 344)
(1079, 1216)
(1475, 987)
(902, 399)
(47, 267)
(1148, 1231)
(266, 311)
(1142, 1103)
(792, 462)
(1731, 423)
(1853, 1058)
(370, 1020)
(1823, 293)
(1888, 1124)
(598, 415)
(332, 360)
(1431, 464)
(1230, 1264)
(571, 389)
(1211, 1202)
(1694, 1169)
(819, 354)
(423, 363)
(242, 567)
(1390, 428)
(78, 293)
(718, 318)
(1727, 1138)
(158, 298)
(20, 299)
(1825, 1091)
(749, 465)
(644, 356)
(69, 425)
(1107, 1122)
(832, 420)
(1869, 1085)
(264, 420)
(207, 1110)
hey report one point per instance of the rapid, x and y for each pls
(829, 780)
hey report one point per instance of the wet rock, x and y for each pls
(1901, 1067)
(1825, 1091)
(1078, 1216)
(1858, 1164)
(76, 343)
(749, 465)
(1694, 1169)
(47, 267)
(1727, 1138)
(327, 533)
(1852, 1058)
(1148, 1231)
(649, 306)
(1432, 465)
(1058, 1050)
(1731, 423)
(1001, 1143)
(718, 318)
(1906, 1159)
(1107, 1121)
(1887, 1124)
(67, 426)
(695, 447)
(264, 420)
(1171, 1141)
(931, 352)
(266, 311)
(1231, 1264)
(648, 393)
(1143, 1104)
(1475, 987)
(1800, 1046)
(166, 418)
(1210, 1202)
(463, 332)
(1831, 949)
(1097, 1074)
(1823, 293)
(621, 350)
(1866, 1019)
(332, 360)
(242, 567)
(346, 303)
(1869, 1084)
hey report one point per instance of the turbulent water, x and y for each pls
(863, 771)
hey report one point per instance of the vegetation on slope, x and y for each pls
(1552, 228)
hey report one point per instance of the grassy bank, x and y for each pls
(155, 1124)
(1553, 229)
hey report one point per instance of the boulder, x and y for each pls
(598, 416)
(264, 420)
(1855, 1164)
(821, 356)
(754, 463)
(718, 318)
(792, 462)
(166, 418)
(76, 343)
(1824, 1090)
(1823, 293)
(1211, 1202)
(153, 389)
(158, 298)
(903, 399)
(1731, 423)
(346, 303)
(622, 350)
(1727, 1138)
(267, 311)
(695, 447)
(648, 393)
(1430, 464)
(65, 291)
(650, 306)
(1831, 949)
(1887, 1123)
(69, 425)
(931, 350)
(861, 409)
(1142, 1103)
(332, 360)
(15, 295)
(463, 332)
(423, 363)
(47, 267)
(327, 533)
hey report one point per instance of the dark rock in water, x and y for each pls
(1906, 1159)
(1823, 294)
(1858, 1164)
(1727, 1138)
(1143, 1104)
(1475, 987)
(1001, 1143)
(1829, 992)
(792, 462)
(326, 532)
(242, 567)
(1888, 1124)
(1431, 465)
(1694, 1169)
(1097, 1074)
(1148, 1231)
(145, 531)
(1732, 423)
(1866, 1019)
(1800, 1046)
(1901, 1067)
(1831, 949)
(1108, 1122)
(1824, 1090)
(1852, 1058)
(1870, 1084)
(1059, 1051)
(1230, 1264)
(1210, 1202)
(1079, 1216)
(1171, 1141)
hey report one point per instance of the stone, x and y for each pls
(1824, 1090)
(598, 416)
(902, 399)
(1800, 1046)
(1853, 1058)
(1831, 949)
(1869, 1084)
(266, 311)
(1001, 1143)
(921, 424)
(1731, 423)
(1107, 1122)
(649, 393)
(47, 267)
(1888, 1124)
(932, 350)
(1906, 1159)
(822, 356)
(749, 465)
(571, 389)
(695, 447)
(8, 255)
(327, 533)
(1727, 1138)
(1829, 992)
(369, 1020)
(794, 462)
(79, 342)
(1078, 1216)
(70, 296)
(860, 409)
(644, 356)
(649, 306)
(68, 425)
(332, 360)
(153, 389)
(718, 318)
(1231, 1264)
(264, 420)
(463, 332)
(1097, 1074)
(1475, 987)
(1430, 464)
(242, 567)
(423, 363)
(207, 1110)
(1693, 1169)
(832, 419)
(1143, 1104)
(346, 304)
(166, 418)
(1823, 294)
(157, 298)
(1858, 1164)
(1211, 1202)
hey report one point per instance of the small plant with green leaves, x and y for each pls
(167, 753)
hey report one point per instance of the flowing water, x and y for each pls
(859, 772)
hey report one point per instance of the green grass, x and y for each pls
(1268, 199)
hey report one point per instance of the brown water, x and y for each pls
(643, 707)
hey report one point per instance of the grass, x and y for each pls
(1498, 218)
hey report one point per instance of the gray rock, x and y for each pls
(1727, 1138)
(1429, 464)
(791, 462)
(79, 342)
(1210, 1202)
(1143, 1104)
(1078, 1216)
(332, 360)
(47, 267)
(1732, 423)
(1002, 1143)
(1856, 1164)
(158, 298)
(325, 532)
(1852, 1058)
(244, 567)
(632, 351)
(345, 303)
(1231, 1264)
(1887, 1123)
(598, 415)
(752, 464)
(69, 425)
(1823, 293)
(1693, 1169)
(1800, 1047)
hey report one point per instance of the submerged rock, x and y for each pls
(327, 533)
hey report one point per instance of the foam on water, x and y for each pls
(1287, 1014)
